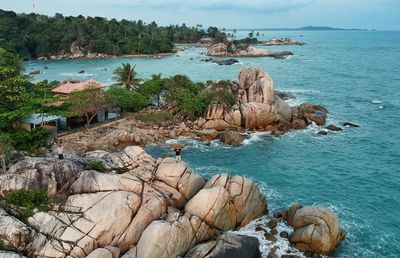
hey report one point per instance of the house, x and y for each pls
(30, 122)
(69, 87)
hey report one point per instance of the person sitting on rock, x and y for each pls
(178, 150)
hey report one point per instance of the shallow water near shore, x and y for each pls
(356, 76)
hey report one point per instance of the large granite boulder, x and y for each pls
(255, 85)
(232, 138)
(227, 202)
(316, 229)
(45, 174)
(13, 233)
(223, 49)
(172, 237)
(257, 116)
(227, 245)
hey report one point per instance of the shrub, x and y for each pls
(29, 141)
(121, 97)
(28, 200)
(3, 246)
(156, 117)
(96, 165)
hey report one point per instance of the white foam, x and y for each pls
(255, 137)
(377, 101)
(265, 245)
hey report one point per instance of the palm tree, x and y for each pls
(126, 76)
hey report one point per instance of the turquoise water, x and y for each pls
(356, 75)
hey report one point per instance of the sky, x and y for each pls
(229, 14)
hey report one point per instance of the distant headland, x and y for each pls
(310, 28)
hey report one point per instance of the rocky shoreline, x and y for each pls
(146, 208)
(228, 50)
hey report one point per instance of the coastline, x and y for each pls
(102, 56)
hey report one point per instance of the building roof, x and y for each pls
(69, 87)
(37, 119)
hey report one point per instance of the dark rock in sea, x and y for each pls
(206, 60)
(227, 245)
(270, 237)
(284, 234)
(82, 71)
(272, 223)
(348, 124)
(34, 72)
(333, 128)
(290, 256)
(274, 231)
(321, 133)
(230, 61)
(191, 58)
(45, 67)
(281, 55)
(232, 138)
(285, 95)
(272, 253)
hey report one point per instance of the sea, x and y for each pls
(355, 172)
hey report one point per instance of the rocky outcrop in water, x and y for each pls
(131, 210)
(281, 41)
(259, 107)
(316, 229)
(223, 49)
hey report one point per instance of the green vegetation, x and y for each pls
(156, 117)
(96, 165)
(87, 103)
(3, 246)
(33, 35)
(126, 100)
(126, 76)
(28, 201)
(29, 141)
(5, 149)
(154, 88)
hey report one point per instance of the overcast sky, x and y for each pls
(369, 14)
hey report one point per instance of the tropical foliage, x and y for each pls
(33, 35)
(126, 76)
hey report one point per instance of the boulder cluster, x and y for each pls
(141, 207)
(224, 49)
(259, 107)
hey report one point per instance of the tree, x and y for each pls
(153, 88)
(5, 149)
(121, 97)
(126, 76)
(88, 103)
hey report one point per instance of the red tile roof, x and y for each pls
(69, 87)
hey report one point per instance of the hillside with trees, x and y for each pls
(34, 35)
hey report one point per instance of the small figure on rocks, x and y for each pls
(178, 149)
(60, 151)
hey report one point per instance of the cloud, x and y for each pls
(267, 6)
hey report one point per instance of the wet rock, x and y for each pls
(272, 223)
(227, 245)
(316, 229)
(290, 256)
(312, 113)
(284, 234)
(272, 253)
(333, 128)
(285, 95)
(274, 231)
(232, 138)
(270, 237)
(322, 133)
(348, 124)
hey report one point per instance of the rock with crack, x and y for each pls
(227, 202)
(45, 174)
(13, 233)
(172, 237)
(316, 229)
(227, 245)
(110, 209)
(255, 85)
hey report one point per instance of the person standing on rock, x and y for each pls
(60, 151)
(178, 149)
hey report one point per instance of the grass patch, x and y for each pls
(156, 117)
(28, 201)
(3, 246)
(96, 165)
